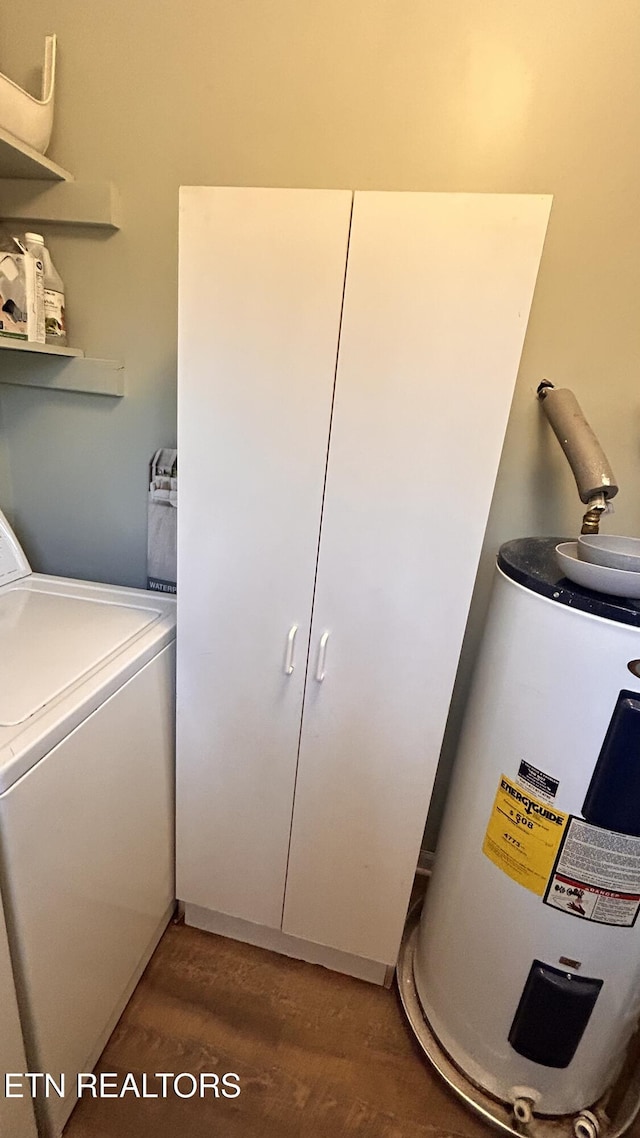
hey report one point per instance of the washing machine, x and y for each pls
(526, 962)
(86, 807)
(17, 1119)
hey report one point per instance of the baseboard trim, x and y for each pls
(276, 941)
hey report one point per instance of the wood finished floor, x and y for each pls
(319, 1055)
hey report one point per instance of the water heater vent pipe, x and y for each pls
(594, 477)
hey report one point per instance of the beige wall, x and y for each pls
(484, 95)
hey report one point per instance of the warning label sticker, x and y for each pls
(536, 780)
(597, 875)
(523, 836)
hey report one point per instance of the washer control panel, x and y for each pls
(13, 563)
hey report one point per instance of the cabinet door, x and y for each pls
(261, 286)
(437, 299)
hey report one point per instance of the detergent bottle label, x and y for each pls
(54, 318)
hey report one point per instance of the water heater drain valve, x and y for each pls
(524, 1100)
(586, 1125)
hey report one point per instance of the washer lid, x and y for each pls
(531, 561)
(49, 641)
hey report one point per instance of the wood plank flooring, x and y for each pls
(319, 1055)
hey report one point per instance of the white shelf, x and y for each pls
(42, 349)
(56, 370)
(33, 188)
(17, 160)
(66, 203)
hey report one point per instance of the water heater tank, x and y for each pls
(527, 962)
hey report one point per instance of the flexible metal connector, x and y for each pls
(591, 520)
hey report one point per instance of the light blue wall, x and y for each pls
(526, 96)
(6, 494)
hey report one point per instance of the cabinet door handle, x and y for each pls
(288, 656)
(322, 652)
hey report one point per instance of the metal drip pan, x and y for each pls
(622, 1100)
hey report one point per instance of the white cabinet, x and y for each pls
(346, 366)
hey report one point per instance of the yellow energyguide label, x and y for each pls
(523, 836)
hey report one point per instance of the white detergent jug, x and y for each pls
(54, 305)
